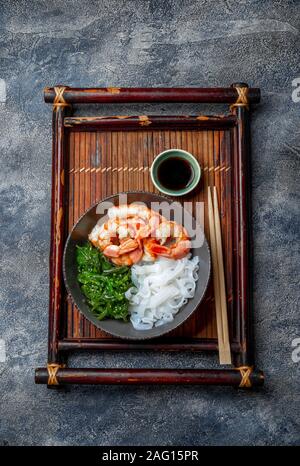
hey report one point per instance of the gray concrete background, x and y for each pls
(147, 43)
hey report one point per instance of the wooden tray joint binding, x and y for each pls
(52, 373)
(59, 100)
(245, 372)
(242, 100)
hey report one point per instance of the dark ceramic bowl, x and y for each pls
(120, 329)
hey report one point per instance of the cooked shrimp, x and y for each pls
(148, 243)
(134, 227)
(123, 228)
(114, 231)
(171, 240)
(139, 217)
(148, 229)
(125, 246)
(116, 239)
(100, 236)
(134, 232)
(128, 259)
(128, 210)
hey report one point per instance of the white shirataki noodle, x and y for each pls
(160, 290)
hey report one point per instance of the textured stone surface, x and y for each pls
(148, 43)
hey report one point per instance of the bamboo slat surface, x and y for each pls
(108, 162)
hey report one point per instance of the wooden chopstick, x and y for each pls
(218, 277)
(212, 235)
(221, 271)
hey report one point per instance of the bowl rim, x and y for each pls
(97, 323)
(181, 192)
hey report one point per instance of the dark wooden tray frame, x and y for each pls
(240, 96)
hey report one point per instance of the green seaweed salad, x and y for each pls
(103, 283)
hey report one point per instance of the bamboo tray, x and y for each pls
(94, 157)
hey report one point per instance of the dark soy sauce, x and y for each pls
(175, 173)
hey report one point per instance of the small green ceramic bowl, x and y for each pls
(177, 154)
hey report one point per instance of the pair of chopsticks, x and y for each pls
(218, 276)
